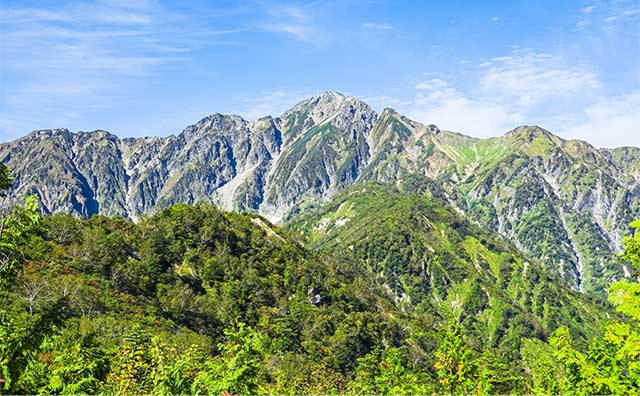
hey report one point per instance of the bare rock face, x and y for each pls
(563, 201)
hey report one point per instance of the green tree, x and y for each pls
(6, 179)
(175, 371)
(20, 334)
(68, 365)
(133, 365)
(625, 295)
(240, 366)
(299, 374)
(385, 372)
(454, 362)
(612, 363)
(15, 228)
(544, 371)
(494, 376)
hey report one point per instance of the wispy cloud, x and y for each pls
(530, 77)
(74, 57)
(434, 84)
(84, 13)
(379, 26)
(624, 15)
(295, 21)
(300, 32)
(587, 9)
(272, 103)
(525, 87)
(611, 12)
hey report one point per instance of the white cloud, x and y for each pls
(521, 87)
(525, 87)
(295, 21)
(432, 84)
(300, 32)
(437, 102)
(87, 13)
(612, 12)
(272, 103)
(624, 14)
(379, 26)
(632, 12)
(609, 122)
(587, 9)
(605, 121)
(529, 77)
(26, 15)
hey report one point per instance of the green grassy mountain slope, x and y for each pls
(431, 260)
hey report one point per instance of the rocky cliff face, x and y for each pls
(566, 202)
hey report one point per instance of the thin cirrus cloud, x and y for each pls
(74, 58)
(272, 103)
(587, 9)
(623, 15)
(608, 14)
(378, 26)
(531, 77)
(295, 21)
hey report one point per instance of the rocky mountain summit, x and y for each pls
(563, 201)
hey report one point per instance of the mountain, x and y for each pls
(563, 201)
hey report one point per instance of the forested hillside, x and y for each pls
(383, 290)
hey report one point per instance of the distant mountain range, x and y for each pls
(563, 201)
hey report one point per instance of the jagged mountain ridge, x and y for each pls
(222, 158)
(564, 201)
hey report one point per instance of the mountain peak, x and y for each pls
(326, 99)
(322, 107)
(529, 133)
(49, 133)
(533, 134)
(330, 94)
(214, 122)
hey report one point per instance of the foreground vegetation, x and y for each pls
(409, 299)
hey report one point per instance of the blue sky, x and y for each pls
(145, 67)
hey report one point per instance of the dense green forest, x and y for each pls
(383, 290)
